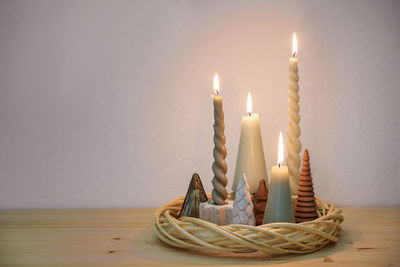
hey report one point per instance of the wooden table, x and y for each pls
(369, 237)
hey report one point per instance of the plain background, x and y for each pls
(107, 103)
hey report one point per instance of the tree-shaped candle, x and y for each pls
(306, 209)
(194, 196)
(219, 167)
(243, 206)
(293, 130)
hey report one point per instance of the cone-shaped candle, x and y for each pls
(243, 206)
(250, 157)
(194, 196)
(306, 209)
(279, 205)
(260, 202)
(293, 130)
(219, 167)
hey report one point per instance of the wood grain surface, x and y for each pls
(94, 237)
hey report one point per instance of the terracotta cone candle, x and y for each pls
(194, 196)
(306, 208)
(260, 202)
(243, 206)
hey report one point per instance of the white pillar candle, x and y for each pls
(250, 157)
(279, 205)
(293, 130)
(219, 167)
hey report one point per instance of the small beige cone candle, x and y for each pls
(306, 209)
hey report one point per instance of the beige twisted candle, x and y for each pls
(293, 130)
(219, 167)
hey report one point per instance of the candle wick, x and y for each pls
(250, 114)
(279, 165)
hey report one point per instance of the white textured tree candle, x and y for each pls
(219, 167)
(279, 205)
(250, 158)
(293, 130)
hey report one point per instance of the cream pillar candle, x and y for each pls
(293, 130)
(279, 205)
(250, 157)
(219, 167)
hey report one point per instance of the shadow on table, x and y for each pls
(156, 250)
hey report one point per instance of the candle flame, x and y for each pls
(249, 104)
(294, 45)
(216, 83)
(280, 151)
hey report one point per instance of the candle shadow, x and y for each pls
(152, 249)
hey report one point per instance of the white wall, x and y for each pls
(107, 103)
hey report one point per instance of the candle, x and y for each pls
(219, 166)
(293, 130)
(279, 205)
(250, 158)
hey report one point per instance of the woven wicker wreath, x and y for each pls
(272, 238)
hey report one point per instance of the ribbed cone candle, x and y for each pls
(306, 208)
(260, 202)
(194, 196)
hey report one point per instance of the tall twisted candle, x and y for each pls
(293, 130)
(219, 167)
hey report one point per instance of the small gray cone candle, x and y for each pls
(194, 196)
(306, 208)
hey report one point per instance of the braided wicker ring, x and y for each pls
(272, 238)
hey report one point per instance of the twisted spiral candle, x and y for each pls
(219, 167)
(293, 130)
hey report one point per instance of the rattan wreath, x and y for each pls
(273, 238)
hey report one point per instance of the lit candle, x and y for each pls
(219, 167)
(250, 158)
(279, 204)
(293, 130)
